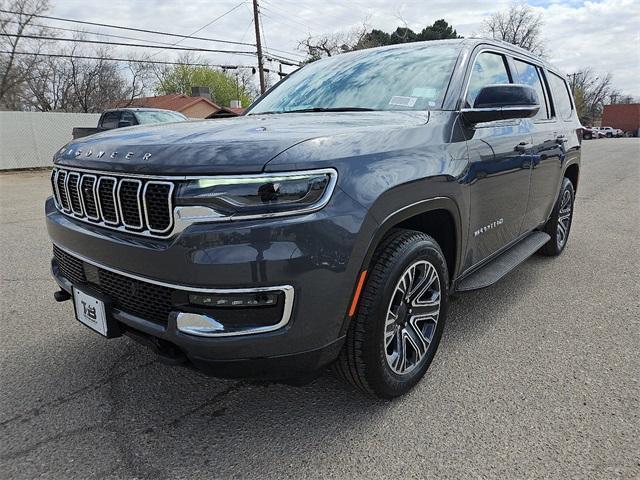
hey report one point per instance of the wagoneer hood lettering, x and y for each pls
(240, 145)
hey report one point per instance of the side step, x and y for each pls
(503, 263)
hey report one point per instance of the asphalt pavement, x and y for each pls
(536, 376)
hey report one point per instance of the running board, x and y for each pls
(503, 263)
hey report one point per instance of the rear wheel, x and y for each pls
(400, 318)
(559, 224)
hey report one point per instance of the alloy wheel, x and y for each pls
(564, 218)
(412, 317)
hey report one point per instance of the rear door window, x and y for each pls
(110, 120)
(529, 74)
(488, 69)
(561, 97)
(129, 117)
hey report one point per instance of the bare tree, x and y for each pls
(80, 80)
(49, 87)
(328, 45)
(519, 25)
(591, 92)
(15, 67)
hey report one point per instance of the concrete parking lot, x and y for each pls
(537, 376)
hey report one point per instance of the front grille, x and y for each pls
(107, 200)
(61, 190)
(142, 299)
(88, 192)
(139, 206)
(130, 205)
(73, 181)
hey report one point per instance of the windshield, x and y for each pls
(388, 79)
(146, 117)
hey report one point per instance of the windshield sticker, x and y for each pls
(403, 101)
(424, 92)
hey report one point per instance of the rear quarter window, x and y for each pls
(561, 96)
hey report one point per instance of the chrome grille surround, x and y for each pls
(114, 201)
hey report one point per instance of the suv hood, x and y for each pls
(237, 145)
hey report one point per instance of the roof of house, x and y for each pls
(226, 112)
(175, 101)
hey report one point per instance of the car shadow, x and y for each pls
(157, 417)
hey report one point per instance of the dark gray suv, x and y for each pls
(328, 225)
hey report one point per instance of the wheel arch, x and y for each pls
(438, 217)
(572, 172)
(420, 216)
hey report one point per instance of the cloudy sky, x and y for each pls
(603, 35)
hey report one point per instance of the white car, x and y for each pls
(610, 132)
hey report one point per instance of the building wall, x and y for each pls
(626, 117)
(198, 110)
(29, 139)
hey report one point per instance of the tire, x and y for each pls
(559, 224)
(371, 358)
(609, 135)
(587, 136)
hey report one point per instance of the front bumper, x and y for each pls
(316, 254)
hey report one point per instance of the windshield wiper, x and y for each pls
(319, 109)
(332, 109)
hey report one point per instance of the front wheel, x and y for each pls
(395, 333)
(559, 224)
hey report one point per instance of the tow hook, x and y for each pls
(61, 296)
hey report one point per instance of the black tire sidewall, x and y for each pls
(552, 224)
(382, 379)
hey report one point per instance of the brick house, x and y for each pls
(192, 107)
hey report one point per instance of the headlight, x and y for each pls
(263, 195)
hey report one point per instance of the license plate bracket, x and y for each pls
(93, 310)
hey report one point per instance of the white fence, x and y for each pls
(29, 139)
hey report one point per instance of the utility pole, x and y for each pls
(256, 22)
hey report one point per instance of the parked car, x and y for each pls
(328, 225)
(610, 132)
(127, 117)
(589, 133)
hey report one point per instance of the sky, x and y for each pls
(603, 35)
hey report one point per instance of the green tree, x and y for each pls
(439, 30)
(223, 86)
(317, 47)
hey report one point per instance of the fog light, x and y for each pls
(235, 300)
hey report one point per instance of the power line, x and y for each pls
(288, 14)
(276, 57)
(282, 60)
(142, 30)
(100, 42)
(111, 59)
(286, 52)
(99, 34)
(205, 26)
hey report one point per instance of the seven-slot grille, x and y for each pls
(140, 206)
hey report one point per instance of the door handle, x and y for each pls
(523, 147)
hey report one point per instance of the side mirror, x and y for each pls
(124, 123)
(502, 102)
